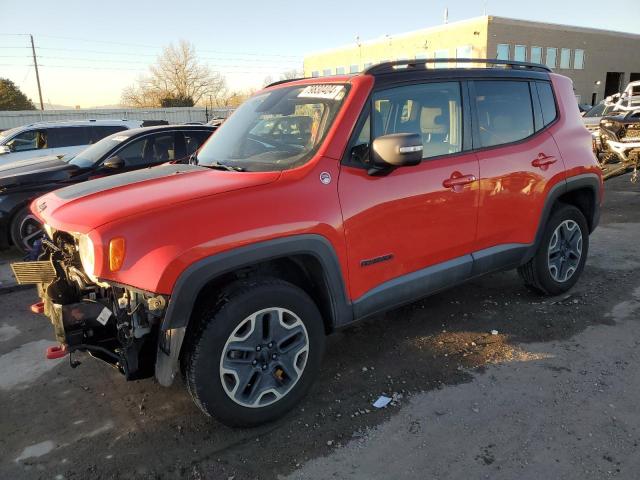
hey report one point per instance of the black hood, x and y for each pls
(37, 171)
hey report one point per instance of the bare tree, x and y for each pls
(291, 74)
(177, 78)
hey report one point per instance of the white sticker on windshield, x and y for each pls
(119, 138)
(328, 91)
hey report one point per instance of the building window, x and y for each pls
(536, 54)
(421, 56)
(552, 53)
(353, 69)
(520, 53)
(578, 59)
(340, 71)
(503, 51)
(315, 73)
(326, 72)
(565, 58)
(444, 53)
(466, 51)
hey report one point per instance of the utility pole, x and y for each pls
(35, 64)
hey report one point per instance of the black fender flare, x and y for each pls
(196, 276)
(587, 180)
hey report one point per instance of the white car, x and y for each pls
(57, 138)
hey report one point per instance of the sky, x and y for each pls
(89, 51)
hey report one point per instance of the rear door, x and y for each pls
(519, 159)
(409, 219)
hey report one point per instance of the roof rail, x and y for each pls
(389, 67)
(280, 82)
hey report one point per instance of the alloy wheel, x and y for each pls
(565, 251)
(264, 357)
(30, 230)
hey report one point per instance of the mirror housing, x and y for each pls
(113, 163)
(4, 149)
(396, 150)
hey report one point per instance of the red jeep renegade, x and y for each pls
(320, 202)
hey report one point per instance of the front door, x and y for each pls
(413, 217)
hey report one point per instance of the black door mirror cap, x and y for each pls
(396, 150)
(114, 163)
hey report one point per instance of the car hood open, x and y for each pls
(33, 172)
(85, 206)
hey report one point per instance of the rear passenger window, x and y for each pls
(193, 140)
(547, 102)
(67, 137)
(504, 109)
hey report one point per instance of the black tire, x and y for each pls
(203, 361)
(24, 229)
(538, 273)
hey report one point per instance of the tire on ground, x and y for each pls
(206, 343)
(536, 273)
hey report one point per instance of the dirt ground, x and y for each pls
(552, 395)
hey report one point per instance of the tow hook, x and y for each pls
(56, 351)
(37, 307)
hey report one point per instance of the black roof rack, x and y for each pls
(403, 65)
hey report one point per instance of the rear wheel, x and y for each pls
(562, 253)
(25, 230)
(256, 353)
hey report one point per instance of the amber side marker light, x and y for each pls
(116, 253)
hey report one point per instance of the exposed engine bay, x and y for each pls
(116, 324)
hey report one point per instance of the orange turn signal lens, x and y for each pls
(116, 253)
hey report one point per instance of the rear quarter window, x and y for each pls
(547, 102)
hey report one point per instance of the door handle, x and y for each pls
(458, 180)
(543, 161)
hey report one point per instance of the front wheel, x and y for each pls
(561, 255)
(256, 353)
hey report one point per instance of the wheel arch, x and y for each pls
(308, 261)
(581, 191)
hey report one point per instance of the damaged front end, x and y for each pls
(114, 323)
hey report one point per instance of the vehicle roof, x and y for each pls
(407, 70)
(79, 123)
(159, 128)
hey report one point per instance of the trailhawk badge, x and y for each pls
(325, 177)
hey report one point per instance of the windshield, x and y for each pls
(276, 130)
(599, 110)
(92, 155)
(8, 133)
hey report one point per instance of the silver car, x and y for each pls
(56, 138)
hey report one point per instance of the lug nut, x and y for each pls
(258, 348)
(255, 362)
(264, 366)
(274, 356)
(270, 344)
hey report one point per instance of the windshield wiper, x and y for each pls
(221, 166)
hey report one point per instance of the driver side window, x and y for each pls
(29, 140)
(432, 110)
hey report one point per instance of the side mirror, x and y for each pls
(113, 163)
(396, 150)
(4, 149)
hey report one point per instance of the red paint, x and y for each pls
(422, 215)
(55, 352)
(37, 307)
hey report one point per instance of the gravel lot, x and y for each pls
(552, 395)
